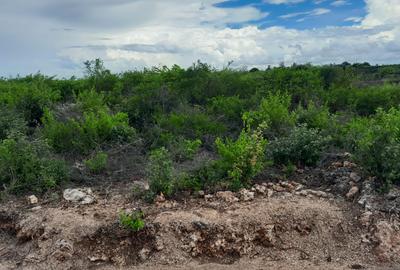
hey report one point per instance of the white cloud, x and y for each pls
(382, 12)
(314, 12)
(140, 33)
(339, 3)
(354, 19)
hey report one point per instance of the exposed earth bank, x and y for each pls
(281, 225)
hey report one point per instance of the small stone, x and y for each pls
(102, 258)
(159, 245)
(352, 192)
(337, 164)
(246, 195)
(270, 192)
(349, 164)
(227, 196)
(144, 254)
(36, 208)
(201, 193)
(159, 198)
(208, 197)
(260, 189)
(355, 177)
(278, 188)
(33, 199)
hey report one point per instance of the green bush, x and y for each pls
(273, 110)
(132, 221)
(377, 148)
(313, 116)
(11, 124)
(28, 166)
(87, 133)
(242, 159)
(367, 100)
(91, 101)
(98, 163)
(192, 124)
(184, 149)
(29, 99)
(160, 172)
(303, 146)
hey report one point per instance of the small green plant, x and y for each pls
(289, 169)
(160, 172)
(244, 158)
(132, 221)
(97, 163)
(303, 146)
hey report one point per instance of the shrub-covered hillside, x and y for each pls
(196, 128)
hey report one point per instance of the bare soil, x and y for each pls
(285, 226)
(282, 231)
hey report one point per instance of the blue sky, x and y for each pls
(300, 15)
(56, 37)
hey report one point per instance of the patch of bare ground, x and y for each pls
(274, 226)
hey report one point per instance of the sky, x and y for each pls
(56, 37)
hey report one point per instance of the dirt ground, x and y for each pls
(281, 225)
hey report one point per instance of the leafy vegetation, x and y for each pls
(97, 163)
(132, 221)
(219, 119)
(302, 147)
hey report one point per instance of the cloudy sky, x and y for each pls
(56, 36)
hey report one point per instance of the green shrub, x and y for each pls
(87, 133)
(29, 99)
(160, 172)
(303, 146)
(91, 101)
(11, 124)
(273, 110)
(98, 163)
(229, 107)
(313, 116)
(367, 100)
(132, 221)
(242, 159)
(192, 124)
(28, 166)
(377, 148)
(183, 149)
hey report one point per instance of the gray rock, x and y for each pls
(79, 195)
(355, 177)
